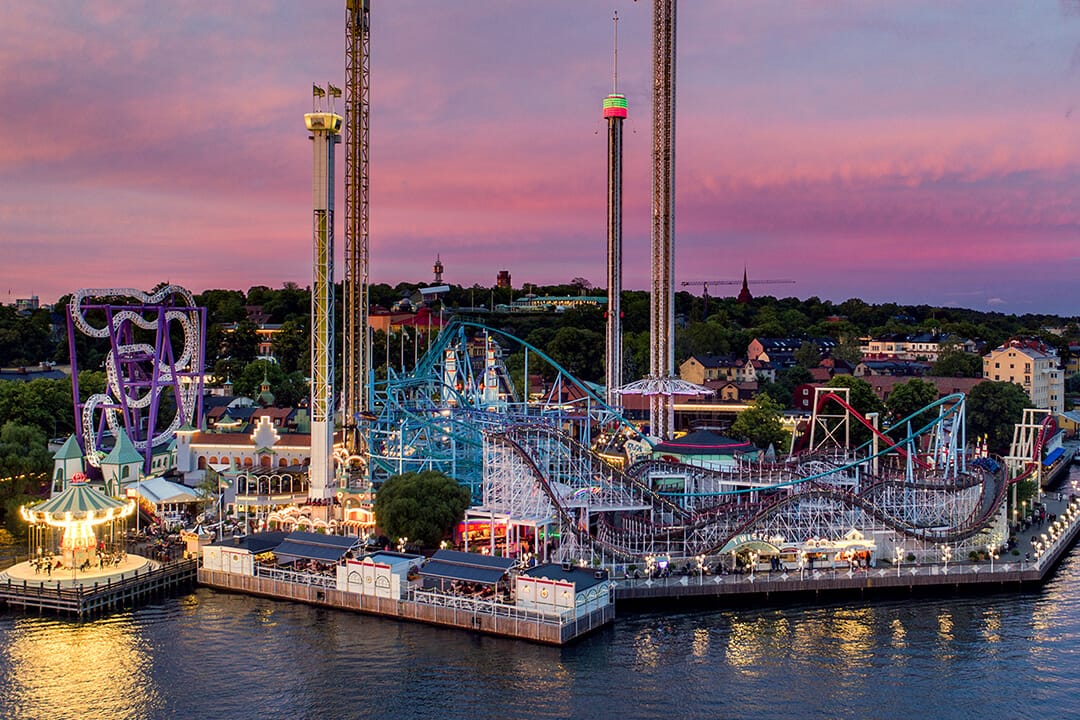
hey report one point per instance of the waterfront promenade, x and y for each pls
(1039, 550)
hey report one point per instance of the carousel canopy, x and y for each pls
(79, 499)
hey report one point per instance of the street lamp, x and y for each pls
(899, 554)
(701, 569)
(753, 563)
(946, 555)
(802, 564)
(992, 551)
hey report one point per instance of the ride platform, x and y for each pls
(93, 592)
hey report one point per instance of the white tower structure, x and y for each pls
(325, 129)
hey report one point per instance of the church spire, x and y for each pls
(744, 293)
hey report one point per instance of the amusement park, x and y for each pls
(585, 486)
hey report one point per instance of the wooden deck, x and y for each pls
(86, 601)
(486, 617)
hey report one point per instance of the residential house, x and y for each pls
(1033, 365)
(700, 369)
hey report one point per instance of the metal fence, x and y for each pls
(300, 578)
(486, 607)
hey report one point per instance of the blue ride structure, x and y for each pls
(553, 468)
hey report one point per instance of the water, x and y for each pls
(214, 655)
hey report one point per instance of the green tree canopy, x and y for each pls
(910, 397)
(808, 355)
(25, 466)
(957, 363)
(579, 351)
(760, 424)
(288, 389)
(423, 507)
(993, 408)
(786, 381)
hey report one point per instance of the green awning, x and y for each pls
(743, 544)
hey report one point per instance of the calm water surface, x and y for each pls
(214, 655)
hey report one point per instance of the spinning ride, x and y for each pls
(156, 351)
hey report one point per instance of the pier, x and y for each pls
(433, 608)
(85, 600)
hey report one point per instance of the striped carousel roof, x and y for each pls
(78, 499)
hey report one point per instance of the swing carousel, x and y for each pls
(77, 537)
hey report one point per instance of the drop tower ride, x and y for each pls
(615, 111)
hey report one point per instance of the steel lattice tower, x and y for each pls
(325, 129)
(662, 298)
(356, 349)
(615, 112)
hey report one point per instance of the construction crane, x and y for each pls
(357, 347)
(744, 294)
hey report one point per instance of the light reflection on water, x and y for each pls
(216, 655)
(66, 670)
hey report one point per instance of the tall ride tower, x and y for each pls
(357, 350)
(615, 112)
(325, 129)
(662, 298)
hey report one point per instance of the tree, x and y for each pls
(23, 449)
(862, 399)
(581, 284)
(848, 349)
(423, 507)
(25, 466)
(808, 355)
(910, 397)
(579, 352)
(242, 344)
(292, 346)
(993, 408)
(957, 363)
(787, 380)
(760, 424)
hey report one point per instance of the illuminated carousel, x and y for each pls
(77, 537)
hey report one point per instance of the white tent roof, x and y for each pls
(159, 490)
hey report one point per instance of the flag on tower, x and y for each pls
(317, 91)
(334, 91)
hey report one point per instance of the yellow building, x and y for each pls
(1032, 365)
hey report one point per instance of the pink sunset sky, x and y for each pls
(911, 152)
